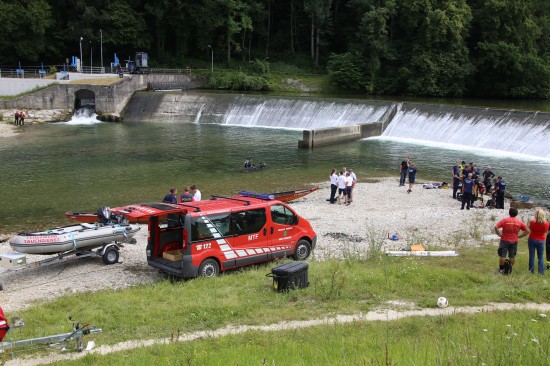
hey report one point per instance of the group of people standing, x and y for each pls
(406, 168)
(189, 195)
(474, 184)
(19, 118)
(343, 184)
(511, 229)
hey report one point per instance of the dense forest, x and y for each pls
(482, 48)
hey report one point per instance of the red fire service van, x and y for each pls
(206, 237)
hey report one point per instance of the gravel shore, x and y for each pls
(380, 207)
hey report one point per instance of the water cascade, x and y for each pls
(302, 114)
(518, 132)
(253, 110)
(510, 131)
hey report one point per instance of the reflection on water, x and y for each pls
(54, 168)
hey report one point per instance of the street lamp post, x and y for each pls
(91, 58)
(101, 48)
(81, 39)
(212, 50)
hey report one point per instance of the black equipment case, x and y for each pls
(290, 276)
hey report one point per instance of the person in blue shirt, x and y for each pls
(186, 196)
(412, 176)
(467, 191)
(171, 197)
(456, 178)
(500, 188)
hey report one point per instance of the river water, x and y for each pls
(84, 165)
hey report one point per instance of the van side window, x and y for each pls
(200, 229)
(282, 215)
(247, 222)
(221, 222)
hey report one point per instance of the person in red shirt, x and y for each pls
(537, 237)
(509, 230)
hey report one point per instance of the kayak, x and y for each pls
(280, 196)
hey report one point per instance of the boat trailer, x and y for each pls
(109, 253)
(62, 341)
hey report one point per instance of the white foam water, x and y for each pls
(83, 117)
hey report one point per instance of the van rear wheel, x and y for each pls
(209, 268)
(302, 250)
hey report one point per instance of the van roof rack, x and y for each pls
(197, 209)
(246, 202)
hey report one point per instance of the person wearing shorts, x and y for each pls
(510, 230)
(342, 191)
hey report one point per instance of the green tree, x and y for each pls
(24, 29)
(434, 49)
(374, 34)
(505, 43)
(319, 12)
(346, 71)
(126, 27)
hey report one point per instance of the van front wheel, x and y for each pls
(209, 268)
(302, 250)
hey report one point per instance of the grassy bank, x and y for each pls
(480, 339)
(246, 297)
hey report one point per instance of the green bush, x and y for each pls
(238, 81)
(345, 71)
(259, 67)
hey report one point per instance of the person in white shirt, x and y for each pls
(333, 185)
(196, 193)
(354, 177)
(349, 185)
(342, 187)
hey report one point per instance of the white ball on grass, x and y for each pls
(442, 302)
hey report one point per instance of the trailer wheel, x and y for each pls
(111, 256)
(302, 250)
(209, 268)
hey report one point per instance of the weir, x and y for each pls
(512, 131)
(329, 121)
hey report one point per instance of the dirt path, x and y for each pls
(376, 315)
